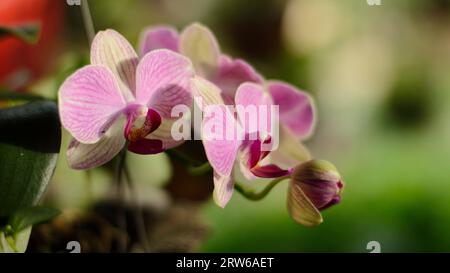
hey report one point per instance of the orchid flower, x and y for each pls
(200, 45)
(244, 148)
(119, 99)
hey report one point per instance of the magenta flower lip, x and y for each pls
(148, 124)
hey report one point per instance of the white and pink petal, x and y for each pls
(89, 103)
(111, 49)
(164, 81)
(253, 107)
(205, 92)
(164, 134)
(199, 44)
(220, 138)
(223, 189)
(86, 156)
(297, 110)
(232, 73)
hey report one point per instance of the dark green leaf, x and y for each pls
(17, 96)
(30, 216)
(28, 33)
(30, 138)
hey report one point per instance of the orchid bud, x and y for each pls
(315, 185)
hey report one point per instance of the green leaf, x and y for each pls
(17, 96)
(28, 33)
(27, 217)
(30, 140)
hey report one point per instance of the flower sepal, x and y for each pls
(315, 185)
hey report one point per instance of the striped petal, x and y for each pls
(209, 93)
(232, 73)
(164, 134)
(300, 207)
(198, 43)
(163, 81)
(89, 102)
(253, 107)
(86, 156)
(111, 49)
(220, 140)
(157, 38)
(297, 111)
(223, 189)
(205, 93)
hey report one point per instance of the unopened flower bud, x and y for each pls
(315, 185)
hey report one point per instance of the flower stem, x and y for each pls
(193, 167)
(199, 170)
(138, 213)
(87, 20)
(121, 215)
(181, 157)
(255, 196)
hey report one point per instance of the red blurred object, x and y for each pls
(22, 63)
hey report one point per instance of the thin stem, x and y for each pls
(87, 20)
(138, 213)
(199, 170)
(193, 167)
(181, 157)
(121, 216)
(90, 194)
(255, 196)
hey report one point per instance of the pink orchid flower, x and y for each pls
(223, 153)
(200, 45)
(118, 98)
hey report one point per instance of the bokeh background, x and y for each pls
(380, 76)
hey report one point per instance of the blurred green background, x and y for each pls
(381, 79)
